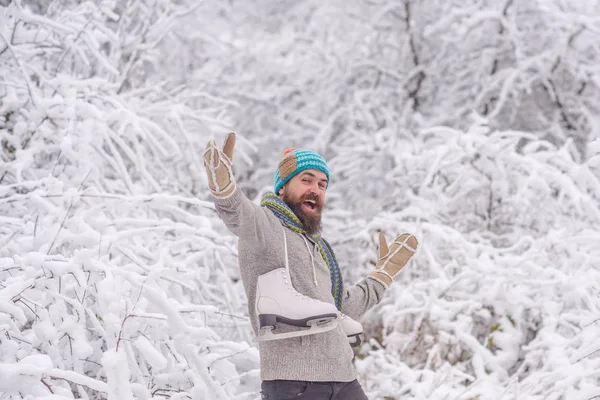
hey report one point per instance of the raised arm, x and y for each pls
(242, 217)
(358, 299)
(361, 297)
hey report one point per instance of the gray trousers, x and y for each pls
(286, 390)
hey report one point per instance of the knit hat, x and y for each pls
(295, 161)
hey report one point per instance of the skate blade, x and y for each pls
(266, 334)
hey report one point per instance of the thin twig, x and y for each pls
(227, 356)
(60, 61)
(26, 305)
(230, 315)
(48, 386)
(121, 331)
(591, 323)
(592, 353)
(164, 318)
(91, 361)
(35, 226)
(61, 227)
(18, 294)
(25, 75)
(67, 214)
(84, 179)
(75, 383)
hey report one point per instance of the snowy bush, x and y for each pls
(502, 301)
(110, 263)
(472, 125)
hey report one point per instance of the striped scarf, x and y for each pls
(290, 220)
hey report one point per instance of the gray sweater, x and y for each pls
(321, 357)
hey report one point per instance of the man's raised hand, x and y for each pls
(218, 167)
(391, 259)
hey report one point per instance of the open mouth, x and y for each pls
(311, 205)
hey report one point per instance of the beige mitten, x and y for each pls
(393, 258)
(218, 167)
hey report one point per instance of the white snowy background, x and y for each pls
(473, 124)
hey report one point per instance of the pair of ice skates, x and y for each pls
(278, 301)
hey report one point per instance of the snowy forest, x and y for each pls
(473, 124)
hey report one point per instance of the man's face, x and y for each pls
(305, 195)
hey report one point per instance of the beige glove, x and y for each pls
(393, 258)
(218, 167)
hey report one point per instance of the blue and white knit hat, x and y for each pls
(295, 161)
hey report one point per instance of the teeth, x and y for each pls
(311, 201)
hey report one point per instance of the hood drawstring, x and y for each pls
(287, 265)
(312, 259)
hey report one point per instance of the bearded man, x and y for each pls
(292, 278)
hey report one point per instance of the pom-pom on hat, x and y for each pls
(295, 161)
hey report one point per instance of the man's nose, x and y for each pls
(315, 189)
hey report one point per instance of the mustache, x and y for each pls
(312, 196)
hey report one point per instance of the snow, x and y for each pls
(473, 126)
(150, 353)
(117, 375)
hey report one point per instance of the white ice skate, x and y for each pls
(278, 301)
(352, 328)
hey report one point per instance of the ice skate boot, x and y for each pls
(278, 301)
(352, 328)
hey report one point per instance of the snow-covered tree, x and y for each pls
(111, 265)
(471, 124)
